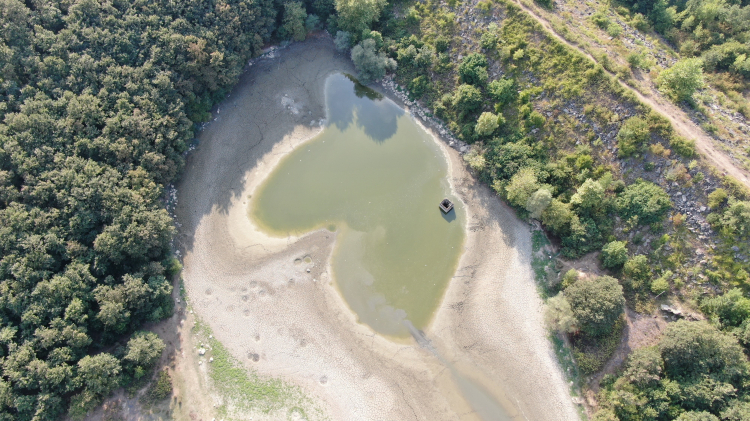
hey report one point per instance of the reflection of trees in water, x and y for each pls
(375, 116)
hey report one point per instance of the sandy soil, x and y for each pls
(260, 296)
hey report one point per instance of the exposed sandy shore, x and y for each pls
(258, 300)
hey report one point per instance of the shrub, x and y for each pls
(418, 86)
(536, 119)
(473, 69)
(486, 124)
(684, 147)
(569, 278)
(614, 254)
(681, 80)
(442, 44)
(369, 64)
(597, 304)
(343, 40)
(645, 201)
(159, 389)
(717, 198)
(466, 99)
(661, 284)
(637, 272)
(503, 90)
(559, 315)
(522, 185)
(538, 202)
(633, 133)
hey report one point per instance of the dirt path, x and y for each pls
(272, 303)
(682, 124)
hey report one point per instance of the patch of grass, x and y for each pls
(591, 353)
(243, 389)
(541, 262)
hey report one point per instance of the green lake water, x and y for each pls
(374, 176)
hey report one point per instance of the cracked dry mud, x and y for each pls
(279, 313)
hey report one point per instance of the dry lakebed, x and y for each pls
(375, 311)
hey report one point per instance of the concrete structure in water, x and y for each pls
(446, 205)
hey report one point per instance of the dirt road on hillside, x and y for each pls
(682, 124)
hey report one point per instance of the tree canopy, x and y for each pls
(98, 103)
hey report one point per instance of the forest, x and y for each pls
(99, 101)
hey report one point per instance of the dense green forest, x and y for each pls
(98, 103)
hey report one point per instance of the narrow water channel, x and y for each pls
(376, 177)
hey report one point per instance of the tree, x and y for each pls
(538, 202)
(645, 367)
(559, 315)
(633, 133)
(343, 40)
(502, 90)
(370, 64)
(681, 80)
(466, 99)
(614, 254)
(486, 124)
(557, 216)
(691, 350)
(473, 69)
(697, 416)
(356, 16)
(293, 24)
(523, 184)
(99, 374)
(142, 352)
(596, 304)
(589, 196)
(645, 201)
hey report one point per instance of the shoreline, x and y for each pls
(258, 301)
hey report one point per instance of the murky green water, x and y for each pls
(377, 178)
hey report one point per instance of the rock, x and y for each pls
(202, 351)
(211, 359)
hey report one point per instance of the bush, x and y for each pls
(159, 389)
(466, 99)
(597, 304)
(614, 254)
(717, 198)
(538, 202)
(522, 185)
(645, 201)
(684, 147)
(343, 41)
(486, 124)
(418, 86)
(681, 80)
(369, 64)
(637, 272)
(473, 69)
(633, 133)
(559, 315)
(503, 91)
